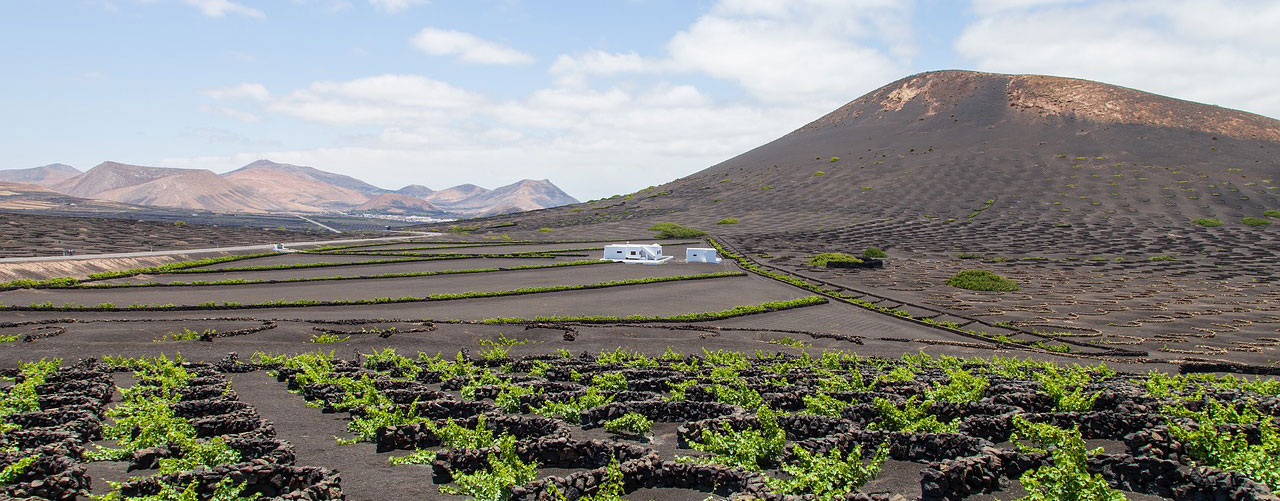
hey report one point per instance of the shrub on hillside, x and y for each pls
(1255, 221)
(673, 230)
(982, 280)
(1208, 222)
(821, 260)
(1272, 213)
(728, 220)
(874, 252)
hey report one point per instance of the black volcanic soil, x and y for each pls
(28, 235)
(353, 270)
(1086, 194)
(365, 473)
(355, 289)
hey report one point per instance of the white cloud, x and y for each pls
(379, 100)
(433, 133)
(993, 6)
(1209, 51)
(815, 53)
(395, 5)
(467, 47)
(220, 8)
(575, 70)
(255, 91)
(613, 111)
(241, 115)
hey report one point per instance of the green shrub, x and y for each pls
(1067, 478)
(1272, 213)
(789, 341)
(570, 411)
(829, 476)
(225, 490)
(494, 483)
(834, 159)
(982, 280)
(874, 252)
(1067, 387)
(22, 397)
(1208, 222)
(546, 230)
(420, 456)
(673, 230)
(509, 398)
(912, 417)
(751, 449)
(328, 337)
(823, 404)
(609, 381)
(821, 260)
(963, 387)
(186, 334)
(728, 220)
(15, 469)
(1229, 448)
(1255, 221)
(631, 423)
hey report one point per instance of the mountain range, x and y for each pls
(266, 186)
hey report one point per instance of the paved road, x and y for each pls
(197, 251)
(312, 221)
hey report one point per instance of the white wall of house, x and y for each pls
(629, 252)
(701, 255)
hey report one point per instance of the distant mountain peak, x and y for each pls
(278, 178)
(44, 175)
(398, 203)
(266, 185)
(415, 190)
(975, 95)
(526, 194)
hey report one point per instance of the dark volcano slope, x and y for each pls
(978, 155)
(944, 143)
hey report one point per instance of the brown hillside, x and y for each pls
(455, 195)
(397, 203)
(523, 195)
(300, 188)
(166, 187)
(45, 175)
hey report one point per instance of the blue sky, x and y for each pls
(447, 92)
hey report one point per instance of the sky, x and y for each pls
(601, 97)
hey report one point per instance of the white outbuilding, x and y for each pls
(635, 253)
(701, 255)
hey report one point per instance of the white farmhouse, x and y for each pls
(701, 255)
(635, 253)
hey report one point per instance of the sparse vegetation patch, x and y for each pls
(673, 230)
(982, 280)
(825, 259)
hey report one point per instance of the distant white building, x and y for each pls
(635, 253)
(701, 255)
